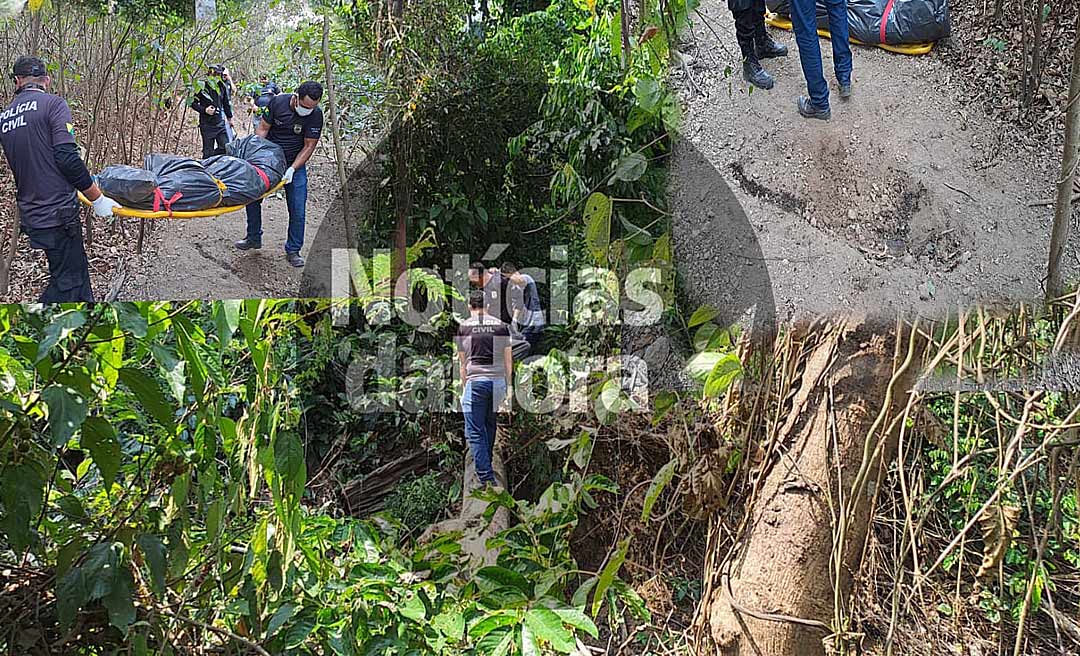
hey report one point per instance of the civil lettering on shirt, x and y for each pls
(12, 117)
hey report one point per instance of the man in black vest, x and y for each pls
(754, 42)
(214, 108)
(38, 136)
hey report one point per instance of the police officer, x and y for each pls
(294, 122)
(261, 95)
(214, 108)
(754, 42)
(38, 136)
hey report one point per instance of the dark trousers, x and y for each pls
(69, 271)
(213, 141)
(749, 26)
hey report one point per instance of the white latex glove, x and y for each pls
(103, 206)
(211, 110)
(289, 172)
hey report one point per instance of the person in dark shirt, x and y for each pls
(37, 132)
(261, 95)
(294, 122)
(486, 365)
(214, 108)
(523, 299)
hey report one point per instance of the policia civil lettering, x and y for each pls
(38, 136)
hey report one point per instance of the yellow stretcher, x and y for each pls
(189, 214)
(904, 49)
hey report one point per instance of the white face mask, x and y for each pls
(303, 111)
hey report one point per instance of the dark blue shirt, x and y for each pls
(288, 129)
(30, 127)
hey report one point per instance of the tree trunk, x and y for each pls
(1063, 209)
(335, 130)
(776, 596)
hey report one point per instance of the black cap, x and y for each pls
(27, 66)
(217, 68)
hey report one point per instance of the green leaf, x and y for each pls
(67, 411)
(597, 218)
(71, 594)
(120, 601)
(99, 438)
(131, 319)
(451, 623)
(703, 314)
(548, 626)
(648, 94)
(502, 577)
(283, 615)
(156, 558)
(489, 624)
(722, 375)
(59, 328)
(528, 642)
(149, 394)
(577, 618)
(288, 456)
(21, 491)
(172, 369)
(607, 575)
(227, 319)
(701, 365)
(630, 168)
(659, 482)
(299, 631)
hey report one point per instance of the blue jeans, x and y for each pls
(804, 22)
(479, 403)
(296, 200)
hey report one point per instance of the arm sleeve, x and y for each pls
(197, 104)
(62, 125)
(226, 101)
(313, 127)
(71, 166)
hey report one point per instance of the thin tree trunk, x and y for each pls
(335, 130)
(1063, 209)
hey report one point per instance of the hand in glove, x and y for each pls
(289, 172)
(103, 206)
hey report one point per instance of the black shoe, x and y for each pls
(845, 90)
(753, 73)
(769, 48)
(246, 244)
(294, 259)
(810, 110)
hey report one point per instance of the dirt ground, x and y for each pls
(907, 199)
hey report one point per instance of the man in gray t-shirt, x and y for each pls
(486, 365)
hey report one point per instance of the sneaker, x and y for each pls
(769, 48)
(294, 259)
(753, 73)
(810, 110)
(246, 244)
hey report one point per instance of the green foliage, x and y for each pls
(419, 502)
(179, 489)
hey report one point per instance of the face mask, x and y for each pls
(304, 111)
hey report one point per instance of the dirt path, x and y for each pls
(907, 199)
(195, 258)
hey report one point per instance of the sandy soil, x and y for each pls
(907, 199)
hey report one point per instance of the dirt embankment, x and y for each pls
(909, 198)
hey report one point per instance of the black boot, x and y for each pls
(753, 73)
(769, 48)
